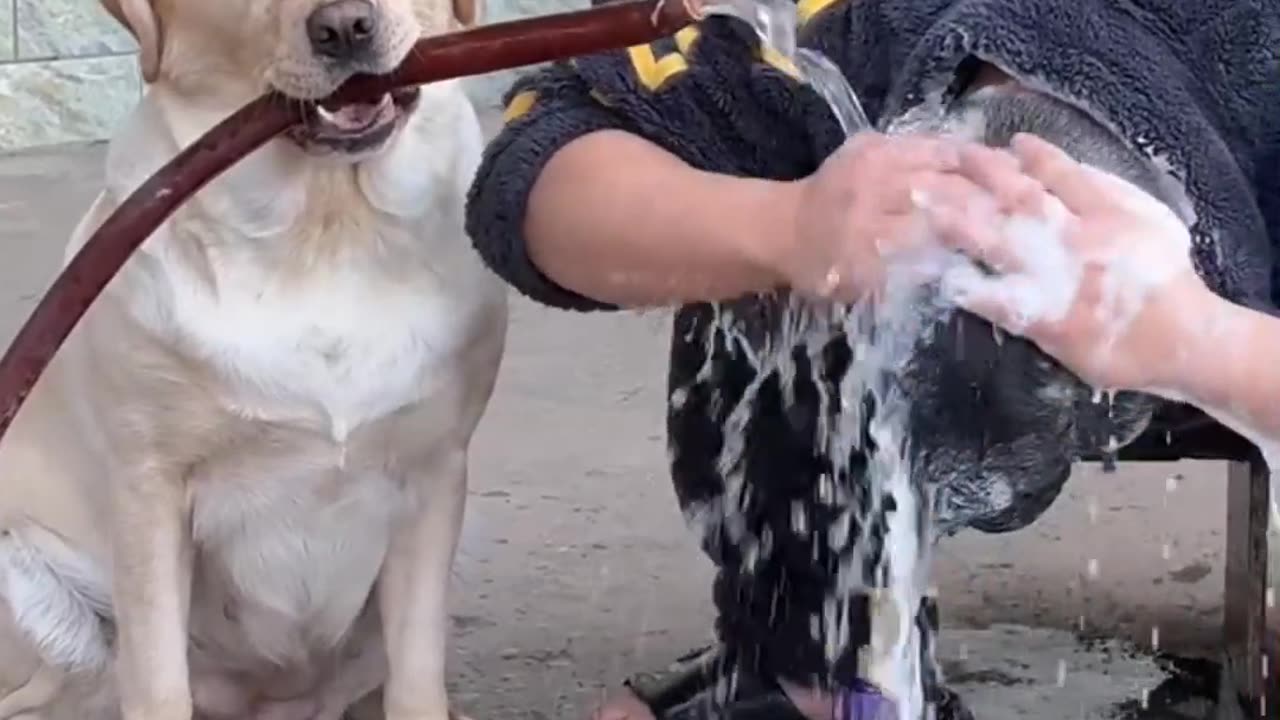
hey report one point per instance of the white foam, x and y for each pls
(1045, 285)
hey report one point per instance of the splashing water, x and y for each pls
(893, 533)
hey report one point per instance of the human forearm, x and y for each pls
(1224, 361)
(644, 229)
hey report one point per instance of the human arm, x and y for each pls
(663, 232)
(666, 233)
(1231, 372)
(616, 186)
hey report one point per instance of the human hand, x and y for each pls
(856, 212)
(1089, 267)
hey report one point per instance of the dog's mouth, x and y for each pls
(353, 128)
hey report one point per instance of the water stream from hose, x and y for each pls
(883, 529)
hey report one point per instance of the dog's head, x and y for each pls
(998, 422)
(225, 52)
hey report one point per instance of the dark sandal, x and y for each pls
(687, 690)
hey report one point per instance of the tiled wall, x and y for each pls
(67, 72)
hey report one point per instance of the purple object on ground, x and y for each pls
(863, 702)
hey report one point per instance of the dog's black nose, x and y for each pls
(342, 30)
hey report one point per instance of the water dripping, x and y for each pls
(1093, 509)
(882, 335)
(1110, 454)
(1062, 673)
(1275, 497)
(799, 518)
(1155, 638)
(1170, 487)
(1146, 699)
(1091, 568)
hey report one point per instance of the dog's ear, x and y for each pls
(468, 12)
(140, 18)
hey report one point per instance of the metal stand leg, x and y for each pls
(1245, 599)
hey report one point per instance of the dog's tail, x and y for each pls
(59, 600)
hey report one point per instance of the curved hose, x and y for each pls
(472, 52)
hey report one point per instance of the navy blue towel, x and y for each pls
(1194, 85)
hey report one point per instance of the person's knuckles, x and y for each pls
(986, 165)
(1040, 158)
(1026, 196)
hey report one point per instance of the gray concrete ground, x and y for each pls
(576, 569)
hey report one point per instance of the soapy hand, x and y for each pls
(1089, 267)
(855, 213)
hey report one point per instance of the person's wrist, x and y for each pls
(765, 229)
(1194, 328)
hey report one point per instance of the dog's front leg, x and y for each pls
(151, 595)
(414, 585)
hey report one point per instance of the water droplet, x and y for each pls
(1266, 666)
(1062, 673)
(1171, 483)
(1271, 598)
(1166, 551)
(1093, 510)
(1080, 623)
(826, 489)
(964, 651)
(1155, 637)
(1092, 568)
(1146, 698)
(799, 518)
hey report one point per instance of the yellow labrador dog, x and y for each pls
(238, 490)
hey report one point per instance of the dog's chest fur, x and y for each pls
(292, 526)
(364, 337)
(328, 319)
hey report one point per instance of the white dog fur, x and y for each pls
(250, 457)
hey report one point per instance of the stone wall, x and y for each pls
(68, 73)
